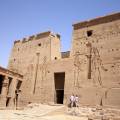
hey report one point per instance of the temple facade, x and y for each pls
(91, 69)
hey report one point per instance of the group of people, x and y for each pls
(74, 101)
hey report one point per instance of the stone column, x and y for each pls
(11, 94)
(4, 92)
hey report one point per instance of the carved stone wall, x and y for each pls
(96, 54)
(29, 58)
(92, 71)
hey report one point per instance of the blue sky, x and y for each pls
(21, 18)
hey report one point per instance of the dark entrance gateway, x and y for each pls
(59, 79)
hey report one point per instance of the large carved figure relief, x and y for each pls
(42, 78)
(88, 67)
(97, 66)
(43, 69)
(80, 67)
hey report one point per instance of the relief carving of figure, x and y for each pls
(79, 63)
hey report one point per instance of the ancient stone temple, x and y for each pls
(90, 70)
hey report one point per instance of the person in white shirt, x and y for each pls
(77, 101)
(71, 100)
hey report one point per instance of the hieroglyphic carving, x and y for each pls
(44, 68)
(115, 68)
(29, 72)
(97, 66)
(79, 63)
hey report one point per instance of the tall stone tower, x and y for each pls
(96, 54)
(45, 46)
(27, 56)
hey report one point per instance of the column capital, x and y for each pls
(5, 86)
(5, 81)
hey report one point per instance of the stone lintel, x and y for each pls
(96, 21)
(7, 72)
(43, 34)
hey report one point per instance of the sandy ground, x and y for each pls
(60, 112)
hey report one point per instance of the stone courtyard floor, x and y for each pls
(60, 112)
